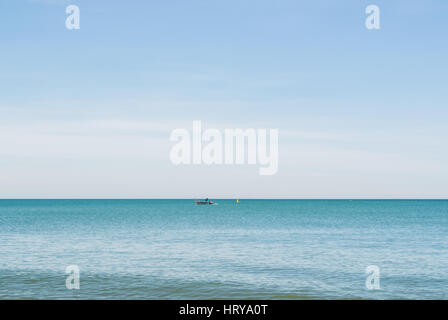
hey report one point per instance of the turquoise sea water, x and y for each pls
(257, 249)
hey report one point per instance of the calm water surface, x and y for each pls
(257, 249)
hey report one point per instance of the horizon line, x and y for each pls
(443, 199)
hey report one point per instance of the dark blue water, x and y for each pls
(260, 249)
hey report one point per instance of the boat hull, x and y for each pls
(204, 202)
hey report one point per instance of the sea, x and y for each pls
(253, 249)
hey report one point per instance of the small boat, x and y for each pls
(206, 201)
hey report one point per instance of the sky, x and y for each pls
(88, 113)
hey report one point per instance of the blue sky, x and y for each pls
(87, 113)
